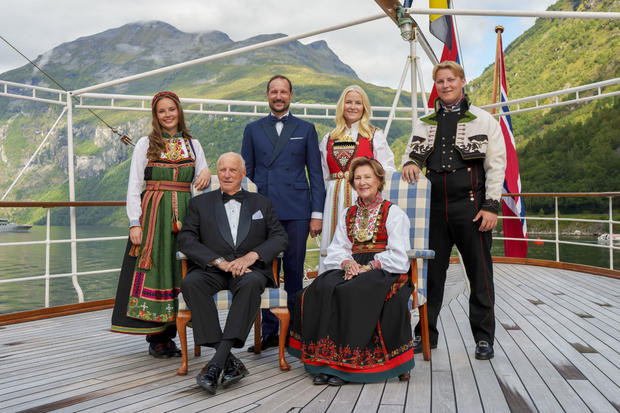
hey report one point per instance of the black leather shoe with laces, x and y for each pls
(208, 378)
(234, 370)
(484, 350)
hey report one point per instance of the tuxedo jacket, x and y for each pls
(206, 235)
(277, 165)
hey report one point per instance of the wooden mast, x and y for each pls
(498, 30)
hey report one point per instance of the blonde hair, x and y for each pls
(456, 68)
(365, 128)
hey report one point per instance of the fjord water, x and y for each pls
(29, 260)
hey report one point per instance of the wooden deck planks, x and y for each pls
(549, 328)
(499, 385)
(545, 330)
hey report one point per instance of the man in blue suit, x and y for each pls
(277, 150)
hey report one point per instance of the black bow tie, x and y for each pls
(238, 196)
(275, 119)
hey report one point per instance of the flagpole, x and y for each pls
(498, 30)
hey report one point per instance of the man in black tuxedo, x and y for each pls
(230, 236)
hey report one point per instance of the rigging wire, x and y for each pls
(124, 138)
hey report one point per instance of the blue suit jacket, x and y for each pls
(277, 165)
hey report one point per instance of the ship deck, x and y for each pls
(557, 348)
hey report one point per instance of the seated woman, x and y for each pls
(353, 323)
(354, 136)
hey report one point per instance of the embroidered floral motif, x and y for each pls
(326, 350)
(175, 149)
(402, 280)
(376, 233)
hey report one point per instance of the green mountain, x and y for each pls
(573, 147)
(569, 148)
(102, 163)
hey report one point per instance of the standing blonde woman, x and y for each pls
(163, 167)
(352, 137)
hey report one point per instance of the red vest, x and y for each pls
(363, 147)
(379, 240)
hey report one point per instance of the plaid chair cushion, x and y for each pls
(271, 297)
(415, 201)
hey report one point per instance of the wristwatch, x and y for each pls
(218, 261)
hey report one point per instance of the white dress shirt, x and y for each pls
(233, 209)
(280, 124)
(136, 175)
(394, 259)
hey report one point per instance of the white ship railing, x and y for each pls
(65, 98)
(73, 240)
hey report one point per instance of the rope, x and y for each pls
(123, 136)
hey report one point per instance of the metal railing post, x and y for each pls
(414, 84)
(397, 97)
(74, 279)
(47, 258)
(611, 234)
(557, 231)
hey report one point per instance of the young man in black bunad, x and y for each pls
(463, 150)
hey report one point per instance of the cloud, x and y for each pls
(374, 50)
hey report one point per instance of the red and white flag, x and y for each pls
(511, 206)
(442, 27)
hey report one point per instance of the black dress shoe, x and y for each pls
(164, 350)
(335, 381)
(320, 379)
(233, 371)
(484, 350)
(266, 342)
(173, 350)
(208, 378)
(417, 344)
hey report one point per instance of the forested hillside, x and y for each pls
(574, 147)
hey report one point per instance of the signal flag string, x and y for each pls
(124, 138)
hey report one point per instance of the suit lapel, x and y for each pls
(222, 220)
(270, 130)
(287, 131)
(245, 218)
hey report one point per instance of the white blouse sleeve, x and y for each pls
(340, 248)
(394, 259)
(382, 151)
(324, 166)
(136, 181)
(201, 162)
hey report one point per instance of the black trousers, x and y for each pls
(198, 289)
(455, 200)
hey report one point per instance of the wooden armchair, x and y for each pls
(415, 201)
(275, 299)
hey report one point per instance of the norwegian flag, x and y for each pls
(511, 206)
(442, 27)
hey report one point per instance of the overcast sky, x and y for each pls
(374, 50)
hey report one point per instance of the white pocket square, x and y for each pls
(257, 215)
(299, 137)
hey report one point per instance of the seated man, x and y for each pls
(231, 237)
